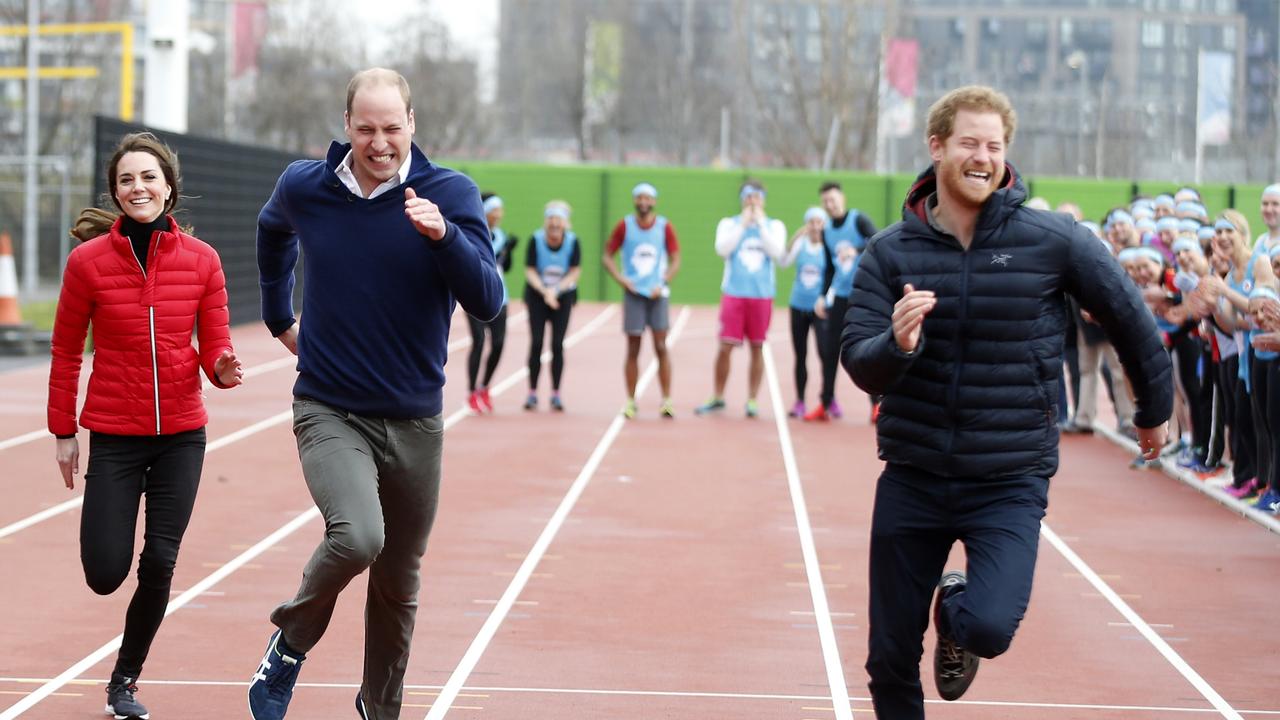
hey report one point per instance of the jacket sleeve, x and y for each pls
(1095, 279)
(277, 257)
(465, 255)
(70, 326)
(868, 350)
(213, 322)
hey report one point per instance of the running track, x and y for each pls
(586, 567)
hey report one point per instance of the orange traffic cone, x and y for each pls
(9, 314)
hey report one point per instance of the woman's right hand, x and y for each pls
(551, 298)
(68, 454)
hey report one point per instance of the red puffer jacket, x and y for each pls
(145, 379)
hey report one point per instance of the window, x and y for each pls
(1152, 34)
(1228, 37)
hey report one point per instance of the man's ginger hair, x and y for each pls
(976, 98)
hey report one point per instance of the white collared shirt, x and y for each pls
(348, 177)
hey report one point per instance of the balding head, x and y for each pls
(378, 76)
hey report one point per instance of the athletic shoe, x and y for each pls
(1248, 489)
(272, 685)
(1269, 502)
(121, 704)
(715, 404)
(485, 401)
(797, 410)
(667, 410)
(629, 410)
(531, 402)
(752, 409)
(818, 414)
(473, 401)
(1141, 463)
(360, 706)
(555, 402)
(954, 668)
(834, 410)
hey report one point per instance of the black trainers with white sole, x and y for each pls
(954, 668)
(121, 703)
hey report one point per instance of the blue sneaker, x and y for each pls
(715, 404)
(1269, 502)
(271, 688)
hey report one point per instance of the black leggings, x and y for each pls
(801, 322)
(539, 315)
(498, 336)
(1260, 378)
(1239, 417)
(830, 351)
(120, 471)
(1187, 351)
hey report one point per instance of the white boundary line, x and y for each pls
(1170, 468)
(1199, 683)
(817, 590)
(51, 686)
(481, 641)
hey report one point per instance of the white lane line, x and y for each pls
(481, 641)
(113, 645)
(236, 563)
(430, 689)
(24, 438)
(817, 591)
(1199, 683)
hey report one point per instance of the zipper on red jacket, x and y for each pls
(151, 330)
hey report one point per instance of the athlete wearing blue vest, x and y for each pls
(551, 289)
(504, 246)
(809, 257)
(844, 237)
(650, 259)
(750, 243)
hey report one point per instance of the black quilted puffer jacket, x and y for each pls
(979, 397)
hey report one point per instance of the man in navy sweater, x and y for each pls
(392, 242)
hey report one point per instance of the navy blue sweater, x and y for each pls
(377, 296)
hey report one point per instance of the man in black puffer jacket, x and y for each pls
(957, 319)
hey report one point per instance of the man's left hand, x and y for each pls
(1151, 440)
(424, 215)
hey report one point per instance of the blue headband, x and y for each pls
(1168, 222)
(556, 211)
(1205, 232)
(1271, 190)
(1120, 216)
(493, 203)
(1134, 253)
(815, 212)
(1164, 201)
(1264, 292)
(1186, 193)
(749, 190)
(644, 188)
(1145, 224)
(1188, 225)
(1187, 244)
(1224, 224)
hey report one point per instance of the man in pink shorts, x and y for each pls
(750, 243)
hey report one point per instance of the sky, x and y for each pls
(473, 25)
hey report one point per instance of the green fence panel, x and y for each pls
(1095, 197)
(525, 190)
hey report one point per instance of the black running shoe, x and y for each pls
(121, 704)
(360, 706)
(954, 668)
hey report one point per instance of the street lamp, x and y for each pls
(1079, 60)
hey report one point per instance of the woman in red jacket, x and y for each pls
(144, 285)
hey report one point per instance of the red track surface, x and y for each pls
(675, 586)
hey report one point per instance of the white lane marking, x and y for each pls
(481, 641)
(1199, 683)
(817, 591)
